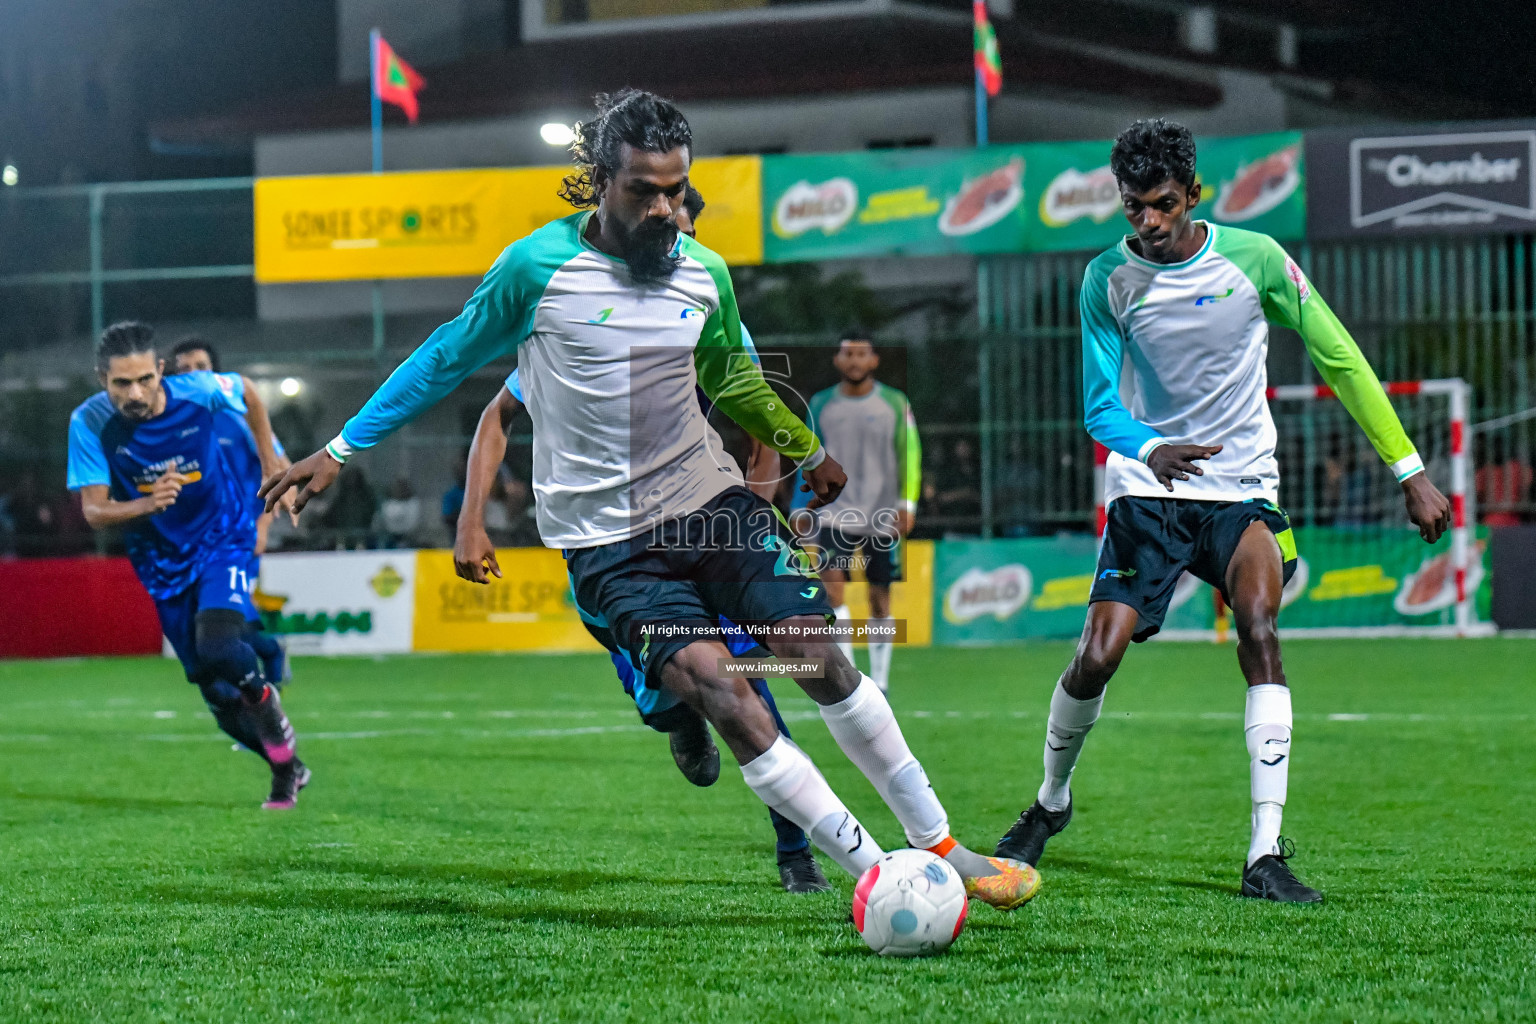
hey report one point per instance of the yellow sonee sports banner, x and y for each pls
(349, 227)
(528, 609)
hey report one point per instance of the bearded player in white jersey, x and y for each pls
(1175, 335)
(615, 319)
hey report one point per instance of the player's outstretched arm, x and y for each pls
(1290, 301)
(473, 553)
(272, 461)
(101, 511)
(308, 477)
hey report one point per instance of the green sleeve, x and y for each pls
(733, 381)
(1290, 301)
(909, 449)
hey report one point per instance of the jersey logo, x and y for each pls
(1117, 574)
(602, 317)
(690, 312)
(1211, 300)
(1299, 279)
(809, 592)
(189, 431)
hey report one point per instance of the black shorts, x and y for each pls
(879, 557)
(1150, 542)
(736, 557)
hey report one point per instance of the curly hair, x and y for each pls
(1150, 152)
(124, 338)
(632, 117)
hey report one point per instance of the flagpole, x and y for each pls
(981, 110)
(376, 103)
(377, 106)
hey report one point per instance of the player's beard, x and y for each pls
(647, 248)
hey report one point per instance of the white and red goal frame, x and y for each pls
(1459, 399)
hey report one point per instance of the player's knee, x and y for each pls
(1256, 624)
(221, 647)
(1098, 657)
(220, 695)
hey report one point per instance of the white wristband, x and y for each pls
(1146, 449)
(339, 449)
(1406, 467)
(814, 459)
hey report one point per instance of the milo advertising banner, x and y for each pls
(1355, 579)
(1001, 590)
(1252, 181)
(835, 205)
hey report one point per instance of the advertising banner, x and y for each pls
(913, 202)
(528, 609)
(911, 599)
(339, 602)
(345, 227)
(1357, 579)
(1467, 178)
(1254, 182)
(1004, 590)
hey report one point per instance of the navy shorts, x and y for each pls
(880, 557)
(1150, 542)
(223, 582)
(735, 558)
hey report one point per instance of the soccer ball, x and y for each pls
(909, 903)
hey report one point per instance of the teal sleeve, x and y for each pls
(1105, 416)
(495, 320)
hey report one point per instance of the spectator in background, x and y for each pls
(1503, 486)
(32, 518)
(398, 520)
(351, 514)
(957, 490)
(509, 513)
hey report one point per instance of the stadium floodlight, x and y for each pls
(557, 134)
(290, 387)
(9, 175)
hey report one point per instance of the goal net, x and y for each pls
(1362, 568)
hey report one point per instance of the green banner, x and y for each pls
(1253, 181)
(898, 202)
(1028, 198)
(1003, 590)
(1009, 590)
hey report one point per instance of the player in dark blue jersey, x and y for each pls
(145, 455)
(193, 354)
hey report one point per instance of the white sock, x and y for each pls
(1065, 732)
(880, 656)
(840, 613)
(786, 780)
(866, 729)
(1267, 728)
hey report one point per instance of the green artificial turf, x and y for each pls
(496, 839)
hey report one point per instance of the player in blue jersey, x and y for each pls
(145, 454)
(194, 354)
(693, 749)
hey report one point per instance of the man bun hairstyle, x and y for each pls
(124, 338)
(632, 117)
(1150, 152)
(197, 343)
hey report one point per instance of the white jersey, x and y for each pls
(609, 369)
(1176, 353)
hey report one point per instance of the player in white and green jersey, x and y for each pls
(1175, 326)
(870, 427)
(615, 318)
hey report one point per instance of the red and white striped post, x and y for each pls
(1100, 512)
(1459, 394)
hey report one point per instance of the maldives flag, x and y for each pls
(989, 64)
(395, 81)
